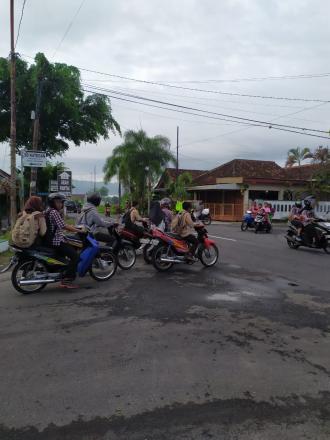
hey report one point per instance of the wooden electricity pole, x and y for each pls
(35, 139)
(13, 200)
(177, 153)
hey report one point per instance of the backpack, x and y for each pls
(178, 224)
(126, 219)
(24, 232)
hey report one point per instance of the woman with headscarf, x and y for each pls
(156, 215)
(23, 235)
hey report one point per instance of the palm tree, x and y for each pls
(321, 155)
(138, 162)
(297, 155)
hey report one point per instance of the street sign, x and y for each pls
(35, 159)
(53, 186)
(64, 180)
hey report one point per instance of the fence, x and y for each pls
(225, 211)
(283, 208)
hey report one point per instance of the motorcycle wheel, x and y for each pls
(244, 226)
(103, 267)
(292, 244)
(21, 271)
(209, 256)
(159, 252)
(207, 221)
(126, 257)
(147, 253)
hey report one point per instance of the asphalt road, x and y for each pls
(238, 351)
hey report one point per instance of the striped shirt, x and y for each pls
(56, 225)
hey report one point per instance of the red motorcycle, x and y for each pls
(144, 239)
(172, 249)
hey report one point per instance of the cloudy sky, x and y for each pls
(196, 45)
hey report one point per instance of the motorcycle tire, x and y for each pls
(126, 257)
(202, 255)
(27, 265)
(111, 261)
(147, 253)
(160, 250)
(292, 244)
(207, 221)
(244, 226)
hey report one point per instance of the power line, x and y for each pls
(68, 27)
(162, 84)
(267, 123)
(210, 117)
(20, 22)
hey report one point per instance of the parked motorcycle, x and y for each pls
(174, 249)
(261, 224)
(248, 221)
(322, 236)
(36, 267)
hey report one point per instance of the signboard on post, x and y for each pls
(53, 186)
(34, 159)
(64, 181)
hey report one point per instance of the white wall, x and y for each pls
(283, 208)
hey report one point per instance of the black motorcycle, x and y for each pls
(37, 266)
(261, 224)
(204, 217)
(321, 236)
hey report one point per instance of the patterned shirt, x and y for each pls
(56, 225)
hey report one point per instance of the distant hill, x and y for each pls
(84, 186)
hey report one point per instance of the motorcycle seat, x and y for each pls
(45, 250)
(173, 235)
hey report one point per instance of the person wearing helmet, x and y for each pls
(295, 218)
(90, 217)
(55, 237)
(187, 231)
(165, 205)
(307, 217)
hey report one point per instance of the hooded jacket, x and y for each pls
(89, 216)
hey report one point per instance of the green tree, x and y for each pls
(297, 155)
(321, 155)
(104, 191)
(138, 162)
(177, 189)
(66, 115)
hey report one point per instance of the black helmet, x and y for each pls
(307, 203)
(298, 204)
(186, 206)
(94, 199)
(55, 196)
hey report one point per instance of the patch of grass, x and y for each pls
(5, 257)
(5, 236)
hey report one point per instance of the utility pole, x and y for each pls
(13, 207)
(177, 153)
(95, 178)
(35, 115)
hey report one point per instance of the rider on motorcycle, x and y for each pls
(308, 217)
(90, 217)
(56, 239)
(295, 218)
(187, 230)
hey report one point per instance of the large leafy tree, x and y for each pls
(177, 189)
(66, 114)
(138, 162)
(321, 155)
(297, 155)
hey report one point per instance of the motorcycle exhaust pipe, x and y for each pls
(37, 281)
(171, 260)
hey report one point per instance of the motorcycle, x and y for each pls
(321, 241)
(261, 224)
(248, 221)
(173, 249)
(38, 266)
(123, 249)
(204, 217)
(144, 241)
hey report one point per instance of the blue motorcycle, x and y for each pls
(248, 221)
(38, 266)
